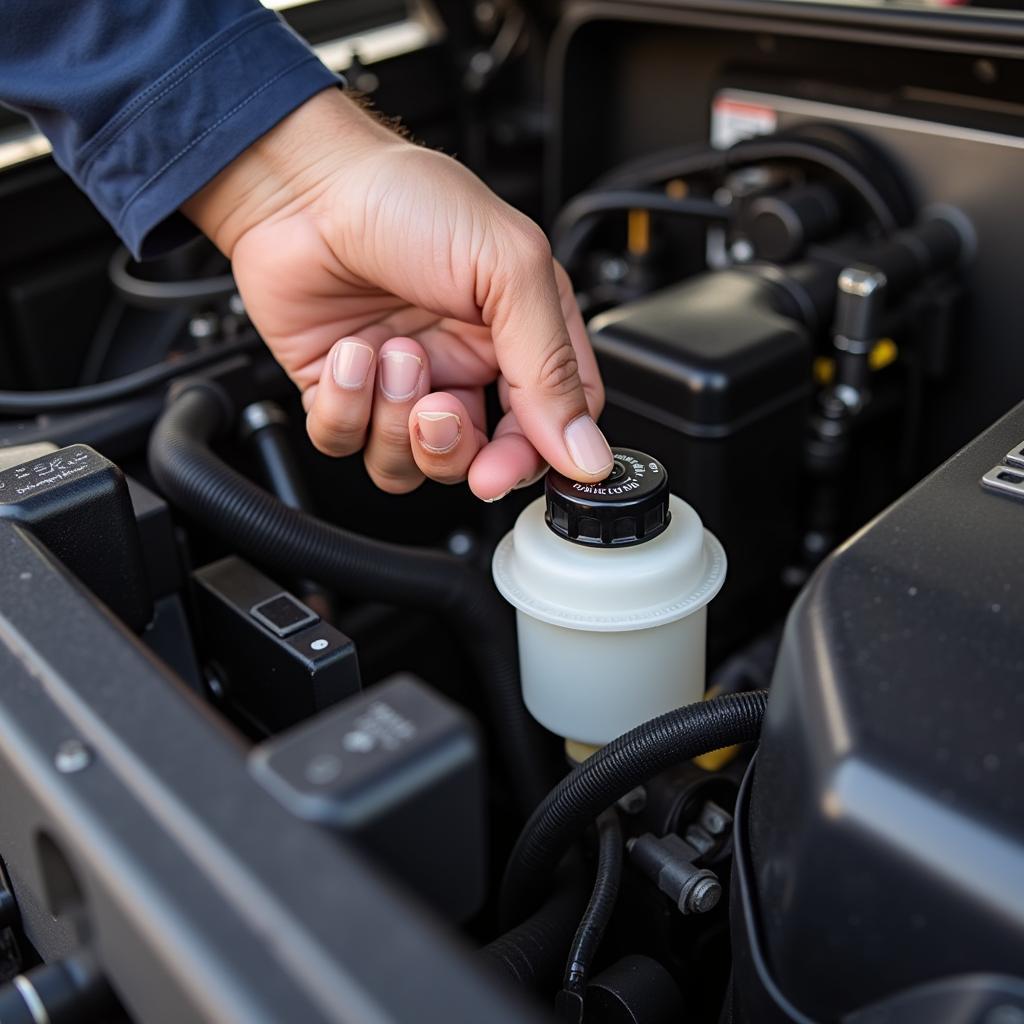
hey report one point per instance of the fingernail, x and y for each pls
(352, 361)
(400, 375)
(439, 431)
(498, 497)
(587, 446)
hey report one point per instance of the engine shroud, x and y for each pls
(884, 830)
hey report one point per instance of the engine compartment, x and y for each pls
(263, 726)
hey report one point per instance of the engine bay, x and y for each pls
(733, 736)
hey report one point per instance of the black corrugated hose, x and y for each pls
(595, 918)
(611, 773)
(294, 543)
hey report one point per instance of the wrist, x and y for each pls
(285, 169)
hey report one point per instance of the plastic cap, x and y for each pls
(629, 506)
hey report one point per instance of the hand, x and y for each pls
(393, 286)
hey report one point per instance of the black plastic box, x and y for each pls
(710, 378)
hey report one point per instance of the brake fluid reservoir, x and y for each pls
(611, 583)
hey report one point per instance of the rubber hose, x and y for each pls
(143, 294)
(891, 211)
(44, 403)
(612, 772)
(295, 543)
(889, 205)
(570, 230)
(595, 918)
(533, 953)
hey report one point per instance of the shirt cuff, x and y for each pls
(189, 125)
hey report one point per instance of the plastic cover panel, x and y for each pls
(887, 813)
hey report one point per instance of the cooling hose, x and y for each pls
(612, 772)
(533, 953)
(297, 544)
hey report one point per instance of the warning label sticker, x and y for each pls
(733, 120)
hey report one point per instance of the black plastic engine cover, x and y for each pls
(885, 824)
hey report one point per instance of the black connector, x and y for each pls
(399, 771)
(76, 502)
(276, 660)
(669, 862)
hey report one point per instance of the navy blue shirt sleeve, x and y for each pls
(144, 101)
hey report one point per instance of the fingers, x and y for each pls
(527, 313)
(379, 402)
(509, 461)
(403, 377)
(445, 439)
(339, 411)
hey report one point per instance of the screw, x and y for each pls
(702, 894)
(203, 327)
(72, 756)
(705, 895)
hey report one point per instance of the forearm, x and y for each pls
(145, 101)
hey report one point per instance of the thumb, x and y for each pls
(536, 356)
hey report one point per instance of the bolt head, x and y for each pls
(702, 896)
(72, 756)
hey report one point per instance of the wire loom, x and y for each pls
(612, 772)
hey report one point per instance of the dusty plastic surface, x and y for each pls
(609, 637)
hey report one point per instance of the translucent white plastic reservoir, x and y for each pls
(612, 632)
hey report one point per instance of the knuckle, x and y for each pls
(560, 373)
(530, 244)
(393, 435)
(335, 439)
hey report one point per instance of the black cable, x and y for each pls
(595, 919)
(137, 291)
(38, 403)
(612, 772)
(295, 543)
(685, 163)
(820, 145)
(573, 224)
(533, 953)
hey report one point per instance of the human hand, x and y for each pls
(337, 228)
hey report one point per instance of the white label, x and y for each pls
(733, 121)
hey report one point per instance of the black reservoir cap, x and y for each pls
(629, 506)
